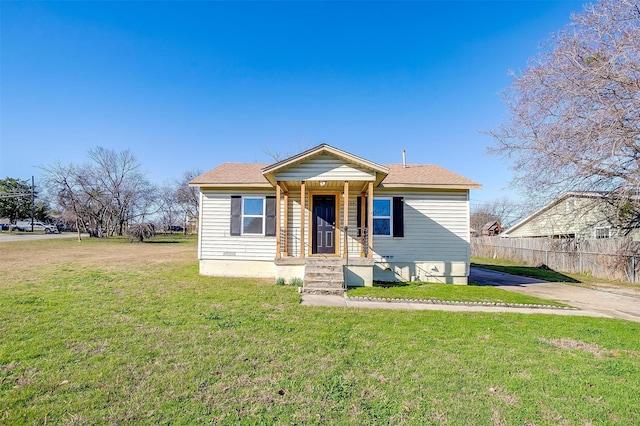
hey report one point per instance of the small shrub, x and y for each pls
(296, 282)
(280, 281)
(140, 231)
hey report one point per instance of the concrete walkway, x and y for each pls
(607, 302)
(340, 301)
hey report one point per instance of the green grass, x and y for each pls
(447, 292)
(104, 332)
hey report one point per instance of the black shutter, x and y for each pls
(398, 217)
(270, 230)
(236, 214)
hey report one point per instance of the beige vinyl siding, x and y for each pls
(294, 223)
(325, 167)
(215, 239)
(576, 216)
(436, 228)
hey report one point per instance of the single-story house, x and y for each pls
(491, 229)
(328, 215)
(578, 214)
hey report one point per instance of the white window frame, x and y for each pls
(570, 205)
(262, 216)
(601, 228)
(390, 217)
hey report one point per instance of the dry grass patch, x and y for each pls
(576, 345)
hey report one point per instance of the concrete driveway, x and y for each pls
(612, 302)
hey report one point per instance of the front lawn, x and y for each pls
(447, 292)
(112, 332)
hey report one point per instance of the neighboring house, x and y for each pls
(582, 215)
(491, 229)
(328, 208)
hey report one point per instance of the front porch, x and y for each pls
(319, 233)
(326, 275)
(318, 219)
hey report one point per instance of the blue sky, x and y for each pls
(187, 85)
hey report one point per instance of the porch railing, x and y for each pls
(355, 239)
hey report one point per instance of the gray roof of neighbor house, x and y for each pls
(490, 225)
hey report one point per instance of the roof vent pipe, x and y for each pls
(404, 159)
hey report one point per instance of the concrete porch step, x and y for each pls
(323, 283)
(325, 275)
(320, 290)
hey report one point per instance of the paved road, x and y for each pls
(9, 237)
(609, 302)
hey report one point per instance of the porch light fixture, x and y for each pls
(323, 182)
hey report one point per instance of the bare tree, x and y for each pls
(502, 210)
(168, 206)
(278, 156)
(105, 195)
(188, 197)
(575, 121)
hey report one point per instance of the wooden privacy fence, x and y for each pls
(611, 258)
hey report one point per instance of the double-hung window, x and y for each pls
(602, 232)
(382, 217)
(252, 216)
(388, 216)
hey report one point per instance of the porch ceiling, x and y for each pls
(330, 185)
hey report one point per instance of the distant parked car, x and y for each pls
(37, 226)
(177, 228)
(4, 226)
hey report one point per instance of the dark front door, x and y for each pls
(324, 224)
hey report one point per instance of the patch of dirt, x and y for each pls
(21, 261)
(571, 344)
(504, 396)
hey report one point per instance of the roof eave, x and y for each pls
(430, 186)
(231, 185)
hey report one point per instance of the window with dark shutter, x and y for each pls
(270, 227)
(236, 214)
(398, 216)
